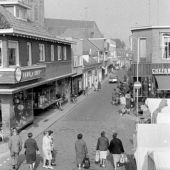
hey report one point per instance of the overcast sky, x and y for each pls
(113, 17)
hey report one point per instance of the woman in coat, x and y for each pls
(46, 148)
(31, 147)
(116, 149)
(81, 150)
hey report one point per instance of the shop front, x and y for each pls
(161, 74)
(77, 85)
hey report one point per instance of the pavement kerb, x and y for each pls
(53, 117)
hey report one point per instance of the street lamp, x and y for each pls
(137, 84)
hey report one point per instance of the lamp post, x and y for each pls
(137, 84)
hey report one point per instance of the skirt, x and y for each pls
(30, 157)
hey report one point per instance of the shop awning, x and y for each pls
(163, 82)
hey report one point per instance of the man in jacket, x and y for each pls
(116, 149)
(15, 146)
(102, 146)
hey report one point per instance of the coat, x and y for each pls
(31, 147)
(102, 144)
(15, 144)
(116, 146)
(81, 150)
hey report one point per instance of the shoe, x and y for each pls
(50, 167)
(53, 164)
(44, 166)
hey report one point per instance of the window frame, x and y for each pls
(1, 65)
(142, 38)
(59, 53)
(52, 52)
(163, 46)
(65, 53)
(17, 52)
(42, 58)
(29, 45)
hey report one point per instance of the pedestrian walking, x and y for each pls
(102, 146)
(99, 85)
(81, 150)
(15, 147)
(116, 149)
(46, 147)
(52, 147)
(31, 148)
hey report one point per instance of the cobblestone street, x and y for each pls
(90, 117)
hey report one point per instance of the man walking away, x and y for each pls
(102, 146)
(15, 147)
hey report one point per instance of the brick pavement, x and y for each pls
(40, 124)
(62, 155)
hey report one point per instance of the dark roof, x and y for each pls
(60, 26)
(10, 24)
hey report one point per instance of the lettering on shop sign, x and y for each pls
(31, 74)
(161, 71)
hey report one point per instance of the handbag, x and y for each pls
(97, 156)
(86, 163)
(123, 159)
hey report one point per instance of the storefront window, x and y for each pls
(23, 108)
(44, 96)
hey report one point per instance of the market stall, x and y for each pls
(152, 146)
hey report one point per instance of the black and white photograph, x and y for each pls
(85, 84)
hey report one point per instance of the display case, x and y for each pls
(23, 108)
(44, 96)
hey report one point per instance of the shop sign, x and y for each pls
(161, 71)
(32, 74)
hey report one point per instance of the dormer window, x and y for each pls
(20, 12)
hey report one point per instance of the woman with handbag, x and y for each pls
(31, 147)
(116, 149)
(81, 150)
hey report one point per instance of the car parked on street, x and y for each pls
(113, 79)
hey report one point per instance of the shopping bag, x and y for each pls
(86, 163)
(123, 159)
(97, 157)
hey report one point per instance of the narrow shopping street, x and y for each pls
(90, 117)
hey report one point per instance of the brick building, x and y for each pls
(34, 67)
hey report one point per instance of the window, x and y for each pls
(65, 53)
(20, 12)
(13, 54)
(166, 47)
(42, 52)
(29, 54)
(142, 47)
(59, 52)
(0, 53)
(52, 52)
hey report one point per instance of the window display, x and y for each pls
(44, 96)
(23, 108)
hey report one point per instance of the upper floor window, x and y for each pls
(29, 54)
(65, 53)
(0, 53)
(42, 52)
(20, 12)
(52, 52)
(166, 47)
(59, 52)
(142, 47)
(13, 54)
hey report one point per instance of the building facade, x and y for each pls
(150, 47)
(35, 67)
